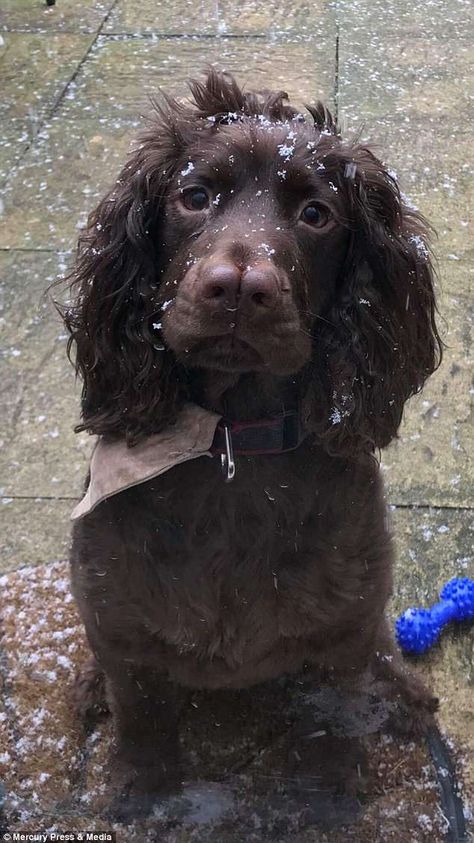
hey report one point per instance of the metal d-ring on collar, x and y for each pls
(227, 459)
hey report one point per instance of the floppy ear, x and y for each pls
(380, 342)
(127, 383)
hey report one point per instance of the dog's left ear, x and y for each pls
(382, 342)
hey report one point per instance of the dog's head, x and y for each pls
(241, 237)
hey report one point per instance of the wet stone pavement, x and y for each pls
(74, 82)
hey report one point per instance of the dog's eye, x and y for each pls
(315, 215)
(196, 199)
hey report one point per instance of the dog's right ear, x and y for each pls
(126, 371)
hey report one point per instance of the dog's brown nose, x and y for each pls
(226, 285)
(259, 285)
(220, 283)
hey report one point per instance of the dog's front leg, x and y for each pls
(326, 771)
(146, 708)
(395, 681)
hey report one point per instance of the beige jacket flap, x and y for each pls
(116, 467)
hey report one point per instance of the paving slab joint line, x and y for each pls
(433, 506)
(41, 498)
(38, 249)
(58, 100)
(200, 36)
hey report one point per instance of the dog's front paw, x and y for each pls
(137, 788)
(412, 704)
(327, 775)
(325, 809)
(413, 712)
(130, 805)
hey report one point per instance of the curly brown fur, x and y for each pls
(203, 276)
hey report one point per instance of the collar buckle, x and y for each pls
(227, 459)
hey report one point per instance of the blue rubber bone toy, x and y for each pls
(418, 629)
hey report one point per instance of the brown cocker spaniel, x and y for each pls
(254, 307)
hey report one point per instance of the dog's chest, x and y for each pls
(223, 613)
(227, 617)
(231, 573)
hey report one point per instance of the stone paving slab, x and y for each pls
(33, 530)
(410, 95)
(65, 16)
(49, 195)
(40, 454)
(432, 461)
(412, 98)
(451, 212)
(436, 174)
(251, 17)
(405, 80)
(79, 152)
(183, 17)
(34, 71)
(369, 21)
(432, 546)
(122, 73)
(12, 147)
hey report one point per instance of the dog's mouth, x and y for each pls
(225, 353)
